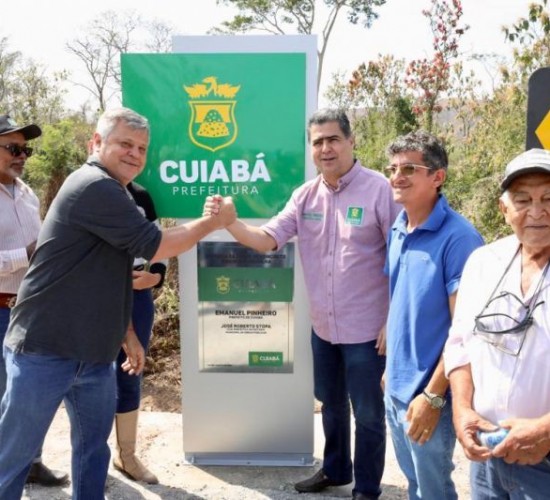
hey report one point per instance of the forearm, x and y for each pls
(179, 239)
(462, 387)
(252, 236)
(438, 383)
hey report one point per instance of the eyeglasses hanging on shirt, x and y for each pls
(505, 318)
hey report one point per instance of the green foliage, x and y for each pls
(279, 17)
(62, 149)
(27, 93)
(530, 38)
(380, 110)
(496, 124)
(429, 79)
(482, 132)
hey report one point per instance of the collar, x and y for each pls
(346, 178)
(93, 161)
(18, 186)
(432, 223)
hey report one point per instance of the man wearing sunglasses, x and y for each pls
(498, 352)
(427, 249)
(19, 226)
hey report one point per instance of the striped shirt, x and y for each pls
(19, 226)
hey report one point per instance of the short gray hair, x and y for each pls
(112, 117)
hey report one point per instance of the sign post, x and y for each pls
(228, 116)
(538, 110)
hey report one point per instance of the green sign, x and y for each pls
(265, 359)
(246, 284)
(229, 124)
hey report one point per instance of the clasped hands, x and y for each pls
(527, 442)
(221, 209)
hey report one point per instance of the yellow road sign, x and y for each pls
(543, 131)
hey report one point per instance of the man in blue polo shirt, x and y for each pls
(428, 246)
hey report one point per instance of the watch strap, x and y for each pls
(432, 398)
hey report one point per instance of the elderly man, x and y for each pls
(19, 226)
(341, 219)
(427, 249)
(497, 356)
(74, 304)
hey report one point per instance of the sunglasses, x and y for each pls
(406, 169)
(502, 330)
(16, 149)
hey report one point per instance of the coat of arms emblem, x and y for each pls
(212, 124)
(223, 284)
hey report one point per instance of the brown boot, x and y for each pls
(125, 459)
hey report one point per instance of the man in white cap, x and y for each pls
(499, 344)
(19, 226)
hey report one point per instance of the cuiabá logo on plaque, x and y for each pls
(268, 358)
(223, 284)
(212, 124)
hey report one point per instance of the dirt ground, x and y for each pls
(161, 448)
(161, 391)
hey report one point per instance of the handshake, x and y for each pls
(220, 209)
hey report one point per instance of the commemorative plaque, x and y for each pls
(246, 319)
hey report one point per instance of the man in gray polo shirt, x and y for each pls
(73, 308)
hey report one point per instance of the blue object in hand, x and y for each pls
(490, 439)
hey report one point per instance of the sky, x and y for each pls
(43, 29)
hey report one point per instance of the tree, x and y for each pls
(109, 35)
(8, 62)
(497, 125)
(429, 79)
(280, 16)
(530, 37)
(27, 93)
(99, 50)
(39, 98)
(382, 109)
(63, 148)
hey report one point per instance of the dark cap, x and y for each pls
(8, 125)
(531, 162)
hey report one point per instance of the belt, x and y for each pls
(7, 300)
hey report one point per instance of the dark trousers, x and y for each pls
(129, 386)
(344, 372)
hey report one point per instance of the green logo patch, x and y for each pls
(265, 358)
(354, 216)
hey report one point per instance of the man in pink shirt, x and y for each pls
(19, 226)
(341, 219)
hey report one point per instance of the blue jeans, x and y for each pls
(427, 467)
(344, 372)
(36, 386)
(129, 386)
(4, 322)
(497, 480)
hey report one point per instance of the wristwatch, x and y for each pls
(436, 401)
